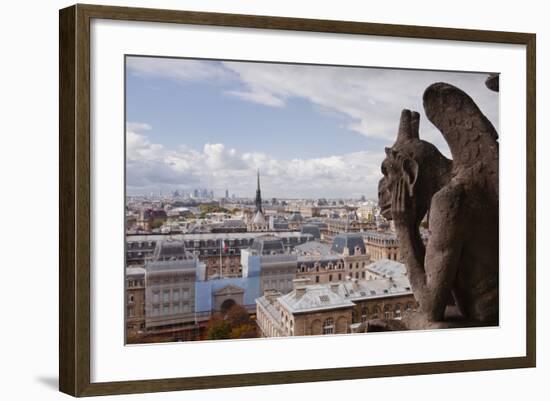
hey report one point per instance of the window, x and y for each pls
(156, 310)
(362, 274)
(375, 312)
(388, 314)
(175, 295)
(176, 308)
(330, 277)
(130, 298)
(364, 313)
(131, 312)
(316, 279)
(397, 310)
(328, 326)
(156, 296)
(339, 276)
(165, 310)
(165, 296)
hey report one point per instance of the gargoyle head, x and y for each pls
(416, 163)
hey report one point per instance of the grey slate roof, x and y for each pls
(315, 248)
(387, 268)
(349, 240)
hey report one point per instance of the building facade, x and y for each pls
(135, 300)
(220, 252)
(382, 245)
(333, 308)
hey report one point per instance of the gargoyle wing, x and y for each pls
(471, 137)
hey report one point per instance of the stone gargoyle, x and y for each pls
(455, 276)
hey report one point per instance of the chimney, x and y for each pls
(300, 286)
(299, 292)
(334, 287)
(271, 295)
(300, 282)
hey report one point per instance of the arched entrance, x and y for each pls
(226, 305)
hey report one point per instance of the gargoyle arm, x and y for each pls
(432, 269)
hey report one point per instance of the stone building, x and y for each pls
(333, 308)
(220, 252)
(307, 310)
(268, 258)
(346, 258)
(170, 287)
(382, 245)
(337, 226)
(135, 299)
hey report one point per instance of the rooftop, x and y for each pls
(209, 236)
(170, 265)
(337, 295)
(135, 271)
(171, 249)
(315, 297)
(268, 245)
(388, 268)
(350, 241)
(313, 248)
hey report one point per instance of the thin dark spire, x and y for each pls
(258, 195)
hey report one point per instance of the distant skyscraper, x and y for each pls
(227, 193)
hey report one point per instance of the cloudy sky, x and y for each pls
(313, 131)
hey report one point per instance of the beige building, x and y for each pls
(307, 310)
(135, 299)
(334, 308)
(346, 258)
(345, 225)
(382, 245)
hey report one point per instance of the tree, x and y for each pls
(157, 223)
(237, 316)
(244, 331)
(218, 329)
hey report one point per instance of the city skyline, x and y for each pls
(197, 123)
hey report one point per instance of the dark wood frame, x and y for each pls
(74, 199)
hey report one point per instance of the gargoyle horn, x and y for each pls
(408, 126)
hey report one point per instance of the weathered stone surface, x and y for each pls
(459, 264)
(492, 82)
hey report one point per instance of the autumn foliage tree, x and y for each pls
(218, 328)
(235, 323)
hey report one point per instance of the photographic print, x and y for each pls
(277, 200)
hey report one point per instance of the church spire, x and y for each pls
(258, 195)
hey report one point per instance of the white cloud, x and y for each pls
(177, 69)
(264, 98)
(137, 127)
(152, 166)
(371, 99)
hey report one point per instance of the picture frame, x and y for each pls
(76, 201)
